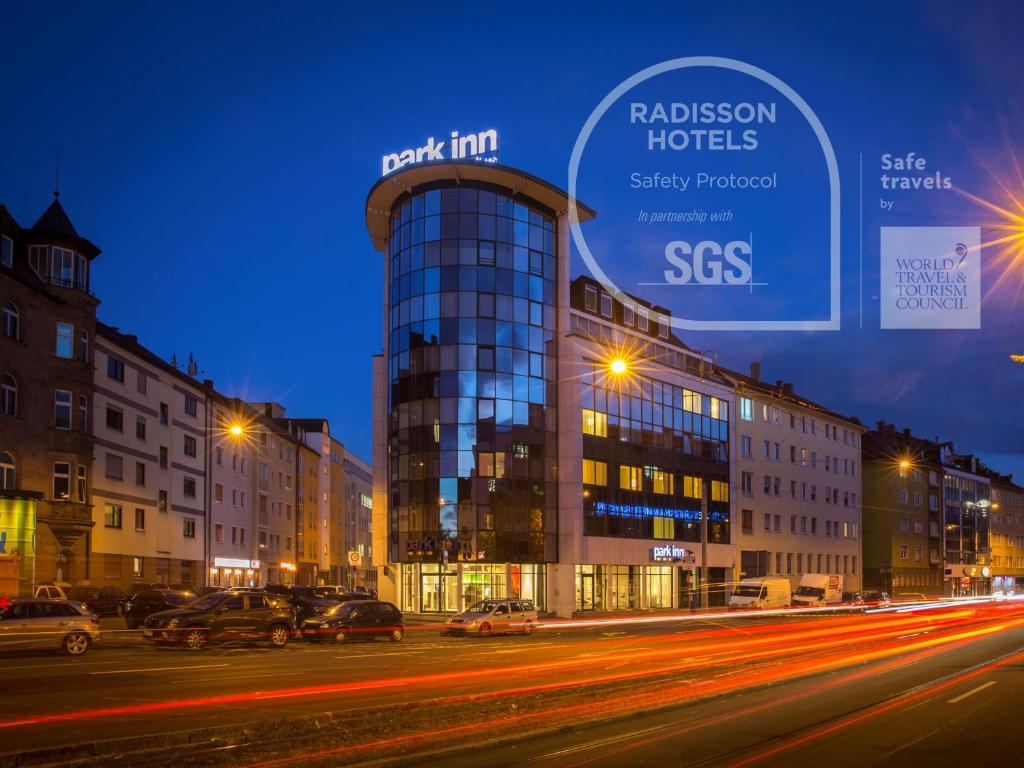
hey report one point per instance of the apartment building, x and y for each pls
(276, 462)
(797, 484)
(47, 333)
(307, 518)
(355, 544)
(903, 549)
(1007, 535)
(234, 558)
(149, 485)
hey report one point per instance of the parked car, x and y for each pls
(103, 601)
(761, 593)
(356, 620)
(38, 623)
(201, 591)
(853, 598)
(141, 586)
(152, 601)
(52, 591)
(876, 598)
(224, 616)
(494, 616)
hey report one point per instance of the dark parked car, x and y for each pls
(356, 619)
(201, 591)
(224, 616)
(852, 598)
(876, 598)
(103, 601)
(141, 586)
(152, 601)
(291, 591)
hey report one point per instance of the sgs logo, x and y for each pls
(709, 263)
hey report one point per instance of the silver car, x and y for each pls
(494, 616)
(56, 624)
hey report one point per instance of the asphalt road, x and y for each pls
(123, 670)
(956, 708)
(826, 671)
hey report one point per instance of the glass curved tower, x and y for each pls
(471, 422)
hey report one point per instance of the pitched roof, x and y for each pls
(55, 223)
(55, 220)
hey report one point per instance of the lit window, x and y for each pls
(65, 340)
(692, 487)
(661, 480)
(595, 423)
(189, 527)
(112, 515)
(595, 472)
(746, 409)
(630, 478)
(664, 528)
(719, 490)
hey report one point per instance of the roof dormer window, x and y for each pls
(37, 259)
(6, 251)
(63, 269)
(642, 319)
(627, 314)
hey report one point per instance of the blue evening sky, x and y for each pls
(220, 154)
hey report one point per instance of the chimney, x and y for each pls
(881, 427)
(906, 434)
(755, 371)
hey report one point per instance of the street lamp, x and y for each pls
(618, 366)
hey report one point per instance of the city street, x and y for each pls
(880, 684)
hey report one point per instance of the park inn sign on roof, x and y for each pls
(481, 146)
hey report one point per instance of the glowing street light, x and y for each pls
(236, 430)
(905, 464)
(618, 366)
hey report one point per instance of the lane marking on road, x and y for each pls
(971, 692)
(76, 664)
(156, 669)
(377, 655)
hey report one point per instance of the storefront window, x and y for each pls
(623, 586)
(588, 588)
(439, 589)
(659, 586)
(528, 582)
(482, 582)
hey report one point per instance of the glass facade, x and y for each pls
(471, 375)
(652, 451)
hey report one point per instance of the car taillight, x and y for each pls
(94, 620)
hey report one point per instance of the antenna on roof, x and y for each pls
(56, 184)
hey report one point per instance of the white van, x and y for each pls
(819, 589)
(761, 593)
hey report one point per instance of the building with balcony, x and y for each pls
(47, 341)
